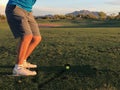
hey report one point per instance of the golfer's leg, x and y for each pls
(23, 47)
(36, 35)
(35, 41)
(19, 68)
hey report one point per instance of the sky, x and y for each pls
(44, 7)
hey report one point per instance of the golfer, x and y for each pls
(23, 26)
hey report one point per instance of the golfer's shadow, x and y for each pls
(84, 71)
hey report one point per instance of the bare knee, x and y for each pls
(27, 37)
(36, 39)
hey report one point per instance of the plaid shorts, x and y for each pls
(21, 22)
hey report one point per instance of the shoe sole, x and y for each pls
(21, 75)
(15, 74)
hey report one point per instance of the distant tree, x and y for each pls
(47, 17)
(70, 16)
(118, 16)
(88, 16)
(92, 16)
(56, 17)
(111, 16)
(2, 17)
(102, 15)
(62, 16)
(79, 15)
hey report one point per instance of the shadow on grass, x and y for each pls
(76, 72)
(4, 69)
(82, 71)
(85, 70)
(6, 66)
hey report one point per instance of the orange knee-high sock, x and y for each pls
(25, 41)
(35, 41)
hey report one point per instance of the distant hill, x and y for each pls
(84, 12)
(75, 13)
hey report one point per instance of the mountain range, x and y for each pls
(75, 13)
(84, 12)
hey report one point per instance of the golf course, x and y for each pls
(91, 48)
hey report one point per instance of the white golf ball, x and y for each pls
(67, 67)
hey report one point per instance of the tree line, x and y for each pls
(100, 16)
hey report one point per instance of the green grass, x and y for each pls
(93, 53)
(82, 23)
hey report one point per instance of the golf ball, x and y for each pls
(67, 67)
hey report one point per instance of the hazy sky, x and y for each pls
(43, 7)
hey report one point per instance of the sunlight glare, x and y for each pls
(3, 2)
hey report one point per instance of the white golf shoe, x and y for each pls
(29, 65)
(21, 71)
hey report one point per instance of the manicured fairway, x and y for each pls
(93, 53)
